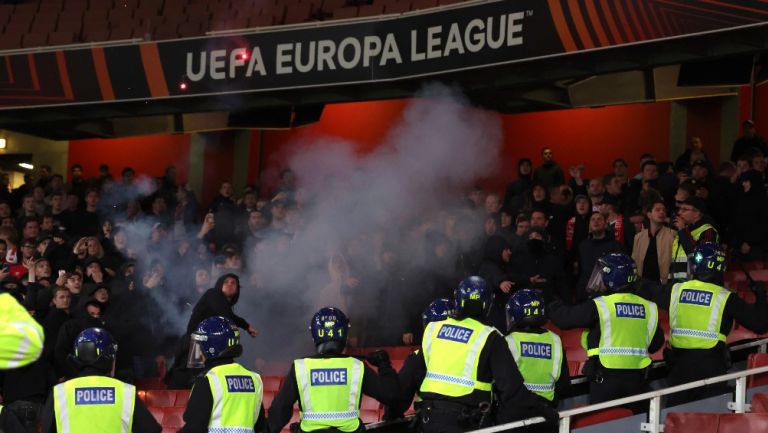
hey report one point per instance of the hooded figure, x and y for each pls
(750, 234)
(217, 301)
(496, 270)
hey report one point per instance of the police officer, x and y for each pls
(21, 337)
(538, 352)
(622, 329)
(437, 311)
(328, 385)
(701, 314)
(94, 401)
(460, 358)
(226, 396)
(693, 228)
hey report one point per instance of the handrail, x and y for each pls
(654, 414)
(72, 46)
(661, 392)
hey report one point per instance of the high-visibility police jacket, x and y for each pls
(94, 404)
(696, 314)
(451, 354)
(539, 359)
(679, 268)
(237, 395)
(329, 392)
(21, 337)
(627, 326)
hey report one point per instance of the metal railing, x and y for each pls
(653, 423)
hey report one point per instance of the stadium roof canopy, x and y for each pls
(508, 56)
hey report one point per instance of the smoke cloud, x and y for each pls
(353, 208)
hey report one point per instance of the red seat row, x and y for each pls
(694, 422)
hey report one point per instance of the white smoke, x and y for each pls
(415, 177)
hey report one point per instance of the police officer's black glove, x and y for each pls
(550, 414)
(379, 359)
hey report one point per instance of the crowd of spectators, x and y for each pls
(135, 254)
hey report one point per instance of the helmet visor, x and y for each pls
(595, 283)
(196, 355)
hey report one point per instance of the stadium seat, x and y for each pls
(571, 337)
(757, 360)
(740, 333)
(691, 422)
(272, 383)
(400, 352)
(371, 10)
(575, 353)
(760, 402)
(759, 274)
(369, 403)
(575, 367)
(370, 415)
(150, 383)
(600, 416)
(267, 399)
(753, 266)
(345, 12)
(182, 397)
(33, 40)
(731, 276)
(61, 38)
(157, 412)
(160, 398)
(173, 417)
(743, 423)
(423, 4)
(299, 12)
(121, 32)
(397, 364)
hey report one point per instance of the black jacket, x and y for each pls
(9, 423)
(66, 339)
(751, 225)
(214, 303)
(143, 421)
(382, 386)
(589, 251)
(199, 407)
(494, 270)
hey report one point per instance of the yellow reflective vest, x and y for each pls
(679, 269)
(329, 391)
(21, 337)
(627, 326)
(237, 395)
(452, 354)
(539, 358)
(94, 404)
(695, 315)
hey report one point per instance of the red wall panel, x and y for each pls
(594, 137)
(148, 155)
(704, 117)
(590, 136)
(218, 154)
